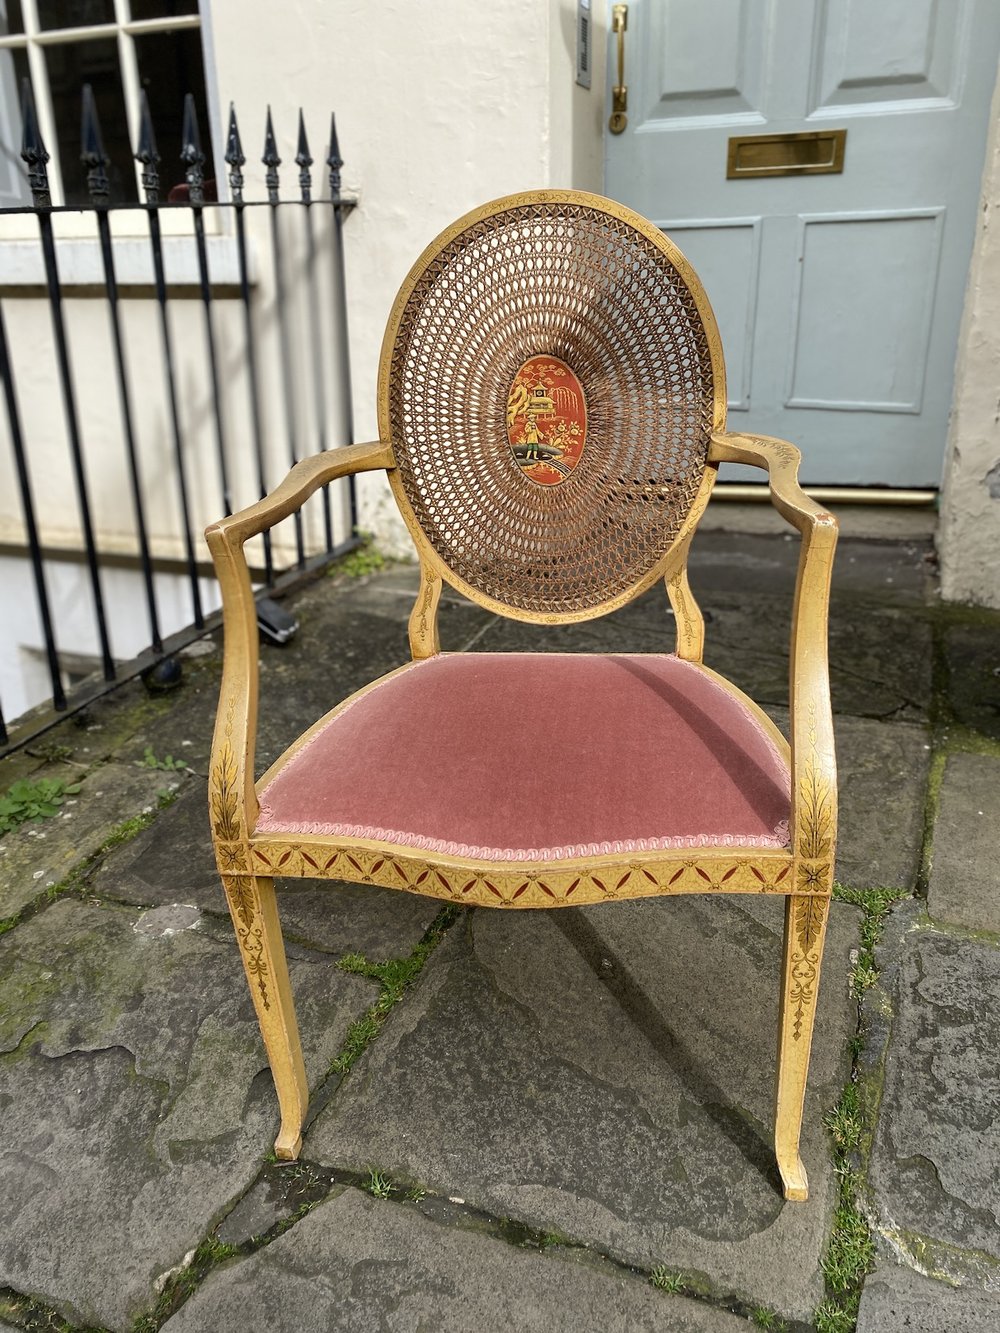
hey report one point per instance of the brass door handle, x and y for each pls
(619, 94)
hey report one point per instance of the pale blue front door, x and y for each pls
(839, 296)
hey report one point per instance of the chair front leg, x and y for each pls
(805, 931)
(254, 911)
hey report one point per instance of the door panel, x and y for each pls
(728, 249)
(705, 61)
(839, 296)
(876, 311)
(892, 51)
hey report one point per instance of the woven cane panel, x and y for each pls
(575, 283)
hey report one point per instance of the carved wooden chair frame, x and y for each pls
(801, 872)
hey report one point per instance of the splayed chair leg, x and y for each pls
(805, 930)
(255, 918)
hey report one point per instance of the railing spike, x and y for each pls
(92, 153)
(33, 150)
(304, 159)
(333, 159)
(235, 157)
(271, 160)
(191, 154)
(147, 153)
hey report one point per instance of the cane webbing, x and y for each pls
(581, 284)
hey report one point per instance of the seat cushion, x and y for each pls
(538, 757)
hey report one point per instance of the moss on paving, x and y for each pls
(76, 882)
(851, 1125)
(35, 1317)
(182, 1283)
(394, 978)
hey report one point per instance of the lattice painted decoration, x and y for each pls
(548, 382)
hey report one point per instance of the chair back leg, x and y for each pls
(805, 932)
(254, 911)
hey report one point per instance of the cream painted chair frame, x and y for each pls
(802, 873)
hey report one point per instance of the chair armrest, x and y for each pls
(302, 481)
(814, 769)
(232, 799)
(781, 462)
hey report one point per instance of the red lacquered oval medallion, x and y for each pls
(546, 420)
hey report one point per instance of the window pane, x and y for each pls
(70, 67)
(170, 65)
(10, 17)
(162, 9)
(13, 171)
(75, 13)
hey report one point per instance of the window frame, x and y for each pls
(34, 39)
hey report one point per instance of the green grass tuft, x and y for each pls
(851, 1250)
(846, 1121)
(766, 1318)
(379, 1185)
(833, 1318)
(875, 905)
(851, 1246)
(666, 1279)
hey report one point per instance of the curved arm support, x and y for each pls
(814, 770)
(232, 799)
(302, 481)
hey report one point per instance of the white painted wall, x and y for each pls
(440, 108)
(969, 529)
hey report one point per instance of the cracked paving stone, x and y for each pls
(360, 1264)
(900, 1298)
(965, 877)
(933, 1173)
(135, 1098)
(607, 1073)
(172, 861)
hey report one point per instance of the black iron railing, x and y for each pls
(306, 400)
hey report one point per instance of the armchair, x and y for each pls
(552, 412)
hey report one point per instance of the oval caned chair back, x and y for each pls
(550, 377)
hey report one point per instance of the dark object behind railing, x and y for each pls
(193, 198)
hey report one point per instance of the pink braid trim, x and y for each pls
(777, 842)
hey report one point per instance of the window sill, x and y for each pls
(78, 251)
(80, 263)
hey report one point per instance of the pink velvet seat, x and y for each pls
(538, 757)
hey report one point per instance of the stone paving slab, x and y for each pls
(608, 1073)
(972, 654)
(933, 1173)
(136, 1099)
(42, 852)
(866, 680)
(882, 777)
(900, 1298)
(767, 561)
(361, 1264)
(965, 869)
(173, 861)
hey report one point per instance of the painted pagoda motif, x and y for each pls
(546, 420)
